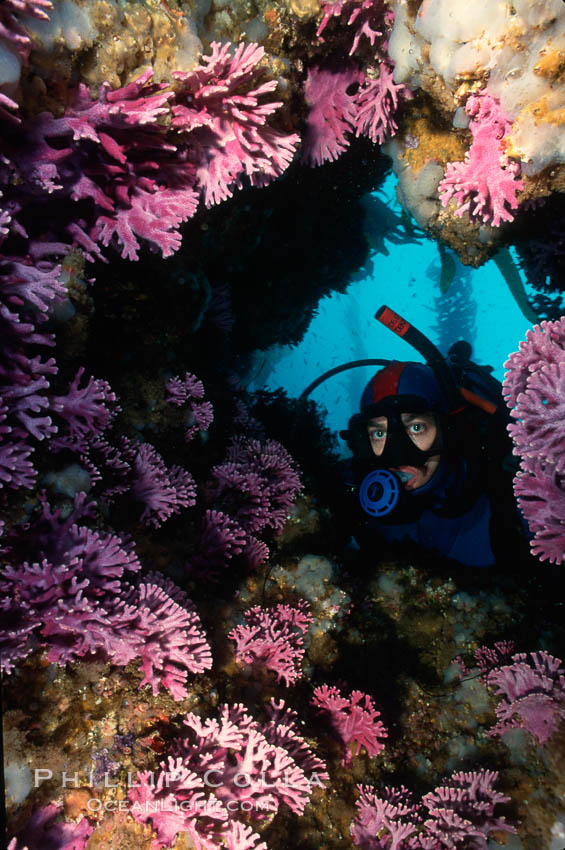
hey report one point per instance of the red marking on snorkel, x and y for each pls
(394, 322)
(385, 383)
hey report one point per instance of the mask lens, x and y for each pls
(378, 430)
(421, 428)
(399, 438)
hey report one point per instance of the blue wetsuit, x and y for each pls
(466, 511)
(465, 538)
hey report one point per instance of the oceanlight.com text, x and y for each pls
(195, 807)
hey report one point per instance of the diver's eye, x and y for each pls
(377, 434)
(417, 427)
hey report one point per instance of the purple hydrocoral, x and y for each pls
(112, 153)
(78, 571)
(273, 638)
(219, 107)
(87, 412)
(532, 692)
(8, 113)
(219, 312)
(44, 831)
(256, 485)
(534, 388)
(541, 498)
(190, 390)
(133, 173)
(76, 603)
(460, 812)
(29, 287)
(353, 720)
(222, 539)
(544, 345)
(252, 768)
(79, 422)
(16, 468)
(485, 184)
(162, 490)
(541, 412)
(18, 623)
(256, 551)
(172, 642)
(281, 729)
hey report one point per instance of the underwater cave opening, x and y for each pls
(430, 287)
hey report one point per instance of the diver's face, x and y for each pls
(422, 430)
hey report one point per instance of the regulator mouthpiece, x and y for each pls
(379, 492)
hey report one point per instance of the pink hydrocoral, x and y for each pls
(175, 802)
(462, 809)
(273, 638)
(377, 102)
(346, 101)
(115, 153)
(460, 812)
(252, 768)
(131, 165)
(353, 720)
(534, 388)
(331, 115)
(532, 692)
(220, 107)
(385, 819)
(371, 18)
(485, 184)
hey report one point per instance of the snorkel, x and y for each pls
(432, 355)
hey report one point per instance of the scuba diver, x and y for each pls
(429, 446)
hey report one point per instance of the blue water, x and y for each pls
(478, 307)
